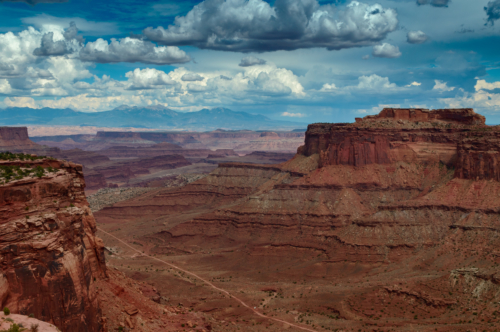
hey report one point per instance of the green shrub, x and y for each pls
(34, 328)
(14, 328)
(6, 311)
(31, 315)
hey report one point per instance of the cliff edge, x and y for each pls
(49, 254)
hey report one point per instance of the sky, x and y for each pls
(295, 60)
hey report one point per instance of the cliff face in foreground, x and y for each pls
(395, 219)
(49, 254)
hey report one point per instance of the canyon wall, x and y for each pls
(457, 138)
(50, 256)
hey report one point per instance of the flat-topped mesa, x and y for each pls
(458, 138)
(464, 116)
(15, 137)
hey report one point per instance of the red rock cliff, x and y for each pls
(15, 137)
(457, 137)
(49, 254)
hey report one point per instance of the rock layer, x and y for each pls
(15, 137)
(388, 214)
(50, 256)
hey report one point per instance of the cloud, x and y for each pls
(5, 87)
(255, 26)
(191, 77)
(34, 2)
(328, 87)
(416, 37)
(148, 78)
(72, 33)
(251, 61)
(413, 84)
(49, 47)
(167, 9)
(435, 3)
(386, 50)
(366, 57)
(29, 74)
(293, 115)
(270, 80)
(20, 102)
(57, 43)
(197, 87)
(132, 50)
(492, 11)
(375, 82)
(481, 100)
(483, 85)
(46, 23)
(442, 86)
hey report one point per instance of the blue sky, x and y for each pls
(296, 60)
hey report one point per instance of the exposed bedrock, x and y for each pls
(457, 138)
(50, 256)
(356, 192)
(14, 136)
(465, 116)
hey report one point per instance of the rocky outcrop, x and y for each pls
(479, 157)
(457, 138)
(465, 116)
(15, 137)
(50, 256)
(33, 324)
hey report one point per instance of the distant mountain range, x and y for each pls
(145, 117)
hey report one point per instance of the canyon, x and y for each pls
(387, 223)
(131, 159)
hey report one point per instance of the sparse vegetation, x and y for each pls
(19, 156)
(9, 172)
(13, 328)
(6, 311)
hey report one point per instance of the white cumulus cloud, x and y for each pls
(132, 50)
(148, 78)
(386, 50)
(416, 37)
(442, 86)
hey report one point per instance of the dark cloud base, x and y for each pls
(492, 11)
(34, 2)
(288, 25)
(435, 3)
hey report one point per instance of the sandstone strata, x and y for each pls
(50, 256)
(395, 217)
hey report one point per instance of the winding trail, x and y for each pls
(211, 285)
